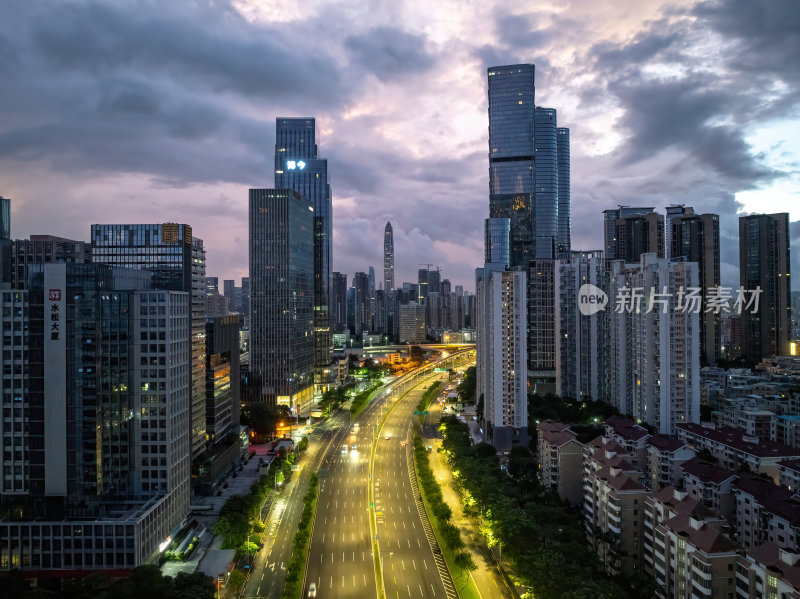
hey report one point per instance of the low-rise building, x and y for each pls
(736, 451)
(560, 461)
(766, 512)
(710, 484)
(665, 454)
(789, 475)
(768, 571)
(631, 436)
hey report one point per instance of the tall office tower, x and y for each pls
(339, 302)
(351, 310)
(433, 306)
(412, 323)
(388, 258)
(695, 238)
(233, 293)
(422, 284)
(380, 318)
(223, 376)
(564, 242)
(446, 287)
(579, 338)
(371, 321)
(176, 260)
(654, 358)
(81, 457)
(361, 303)
(281, 296)
(673, 211)
(545, 214)
(511, 155)
(5, 218)
(299, 168)
(764, 262)
(542, 325)
(631, 232)
(245, 307)
(459, 290)
(496, 241)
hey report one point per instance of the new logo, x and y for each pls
(591, 299)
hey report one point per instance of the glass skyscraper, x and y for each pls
(564, 242)
(176, 260)
(299, 168)
(282, 296)
(545, 207)
(388, 258)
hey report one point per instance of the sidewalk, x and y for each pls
(487, 576)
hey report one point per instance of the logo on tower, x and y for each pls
(293, 165)
(591, 299)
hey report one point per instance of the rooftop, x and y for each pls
(707, 472)
(734, 438)
(626, 428)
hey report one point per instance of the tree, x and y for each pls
(464, 561)
(302, 445)
(236, 581)
(261, 418)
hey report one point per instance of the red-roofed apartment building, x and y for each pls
(766, 512)
(685, 548)
(768, 571)
(789, 474)
(711, 485)
(664, 458)
(613, 502)
(561, 461)
(735, 450)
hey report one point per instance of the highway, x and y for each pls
(409, 566)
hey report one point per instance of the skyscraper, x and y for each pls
(281, 296)
(176, 260)
(764, 263)
(388, 258)
(299, 168)
(339, 302)
(5, 218)
(511, 154)
(564, 192)
(545, 212)
(361, 302)
(695, 238)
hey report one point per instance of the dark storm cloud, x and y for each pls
(160, 89)
(387, 52)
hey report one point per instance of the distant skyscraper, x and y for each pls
(177, 260)
(631, 232)
(362, 306)
(545, 207)
(388, 258)
(412, 323)
(5, 218)
(764, 262)
(497, 235)
(223, 373)
(339, 302)
(298, 167)
(695, 238)
(281, 296)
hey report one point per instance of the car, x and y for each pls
(403, 444)
(344, 448)
(388, 436)
(354, 447)
(312, 589)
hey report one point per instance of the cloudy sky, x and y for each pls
(148, 111)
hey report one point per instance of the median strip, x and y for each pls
(293, 589)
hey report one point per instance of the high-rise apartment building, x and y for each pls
(653, 357)
(764, 263)
(282, 296)
(412, 323)
(695, 238)
(176, 260)
(543, 324)
(631, 232)
(299, 168)
(388, 258)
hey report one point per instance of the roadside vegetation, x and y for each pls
(428, 396)
(541, 538)
(459, 559)
(293, 589)
(361, 400)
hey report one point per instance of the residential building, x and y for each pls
(561, 461)
(281, 296)
(629, 435)
(695, 238)
(665, 456)
(789, 474)
(653, 363)
(766, 512)
(711, 485)
(764, 264)
(768, 571)
(631, 232)
(735, 450)
(177, 262)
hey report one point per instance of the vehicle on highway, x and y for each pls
(355, 427)
(312, 589)
(344, 448)
(354, 447)
(388, 436)
(403, 444)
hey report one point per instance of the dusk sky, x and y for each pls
(165, 111)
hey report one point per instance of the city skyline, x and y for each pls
(147, 145)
